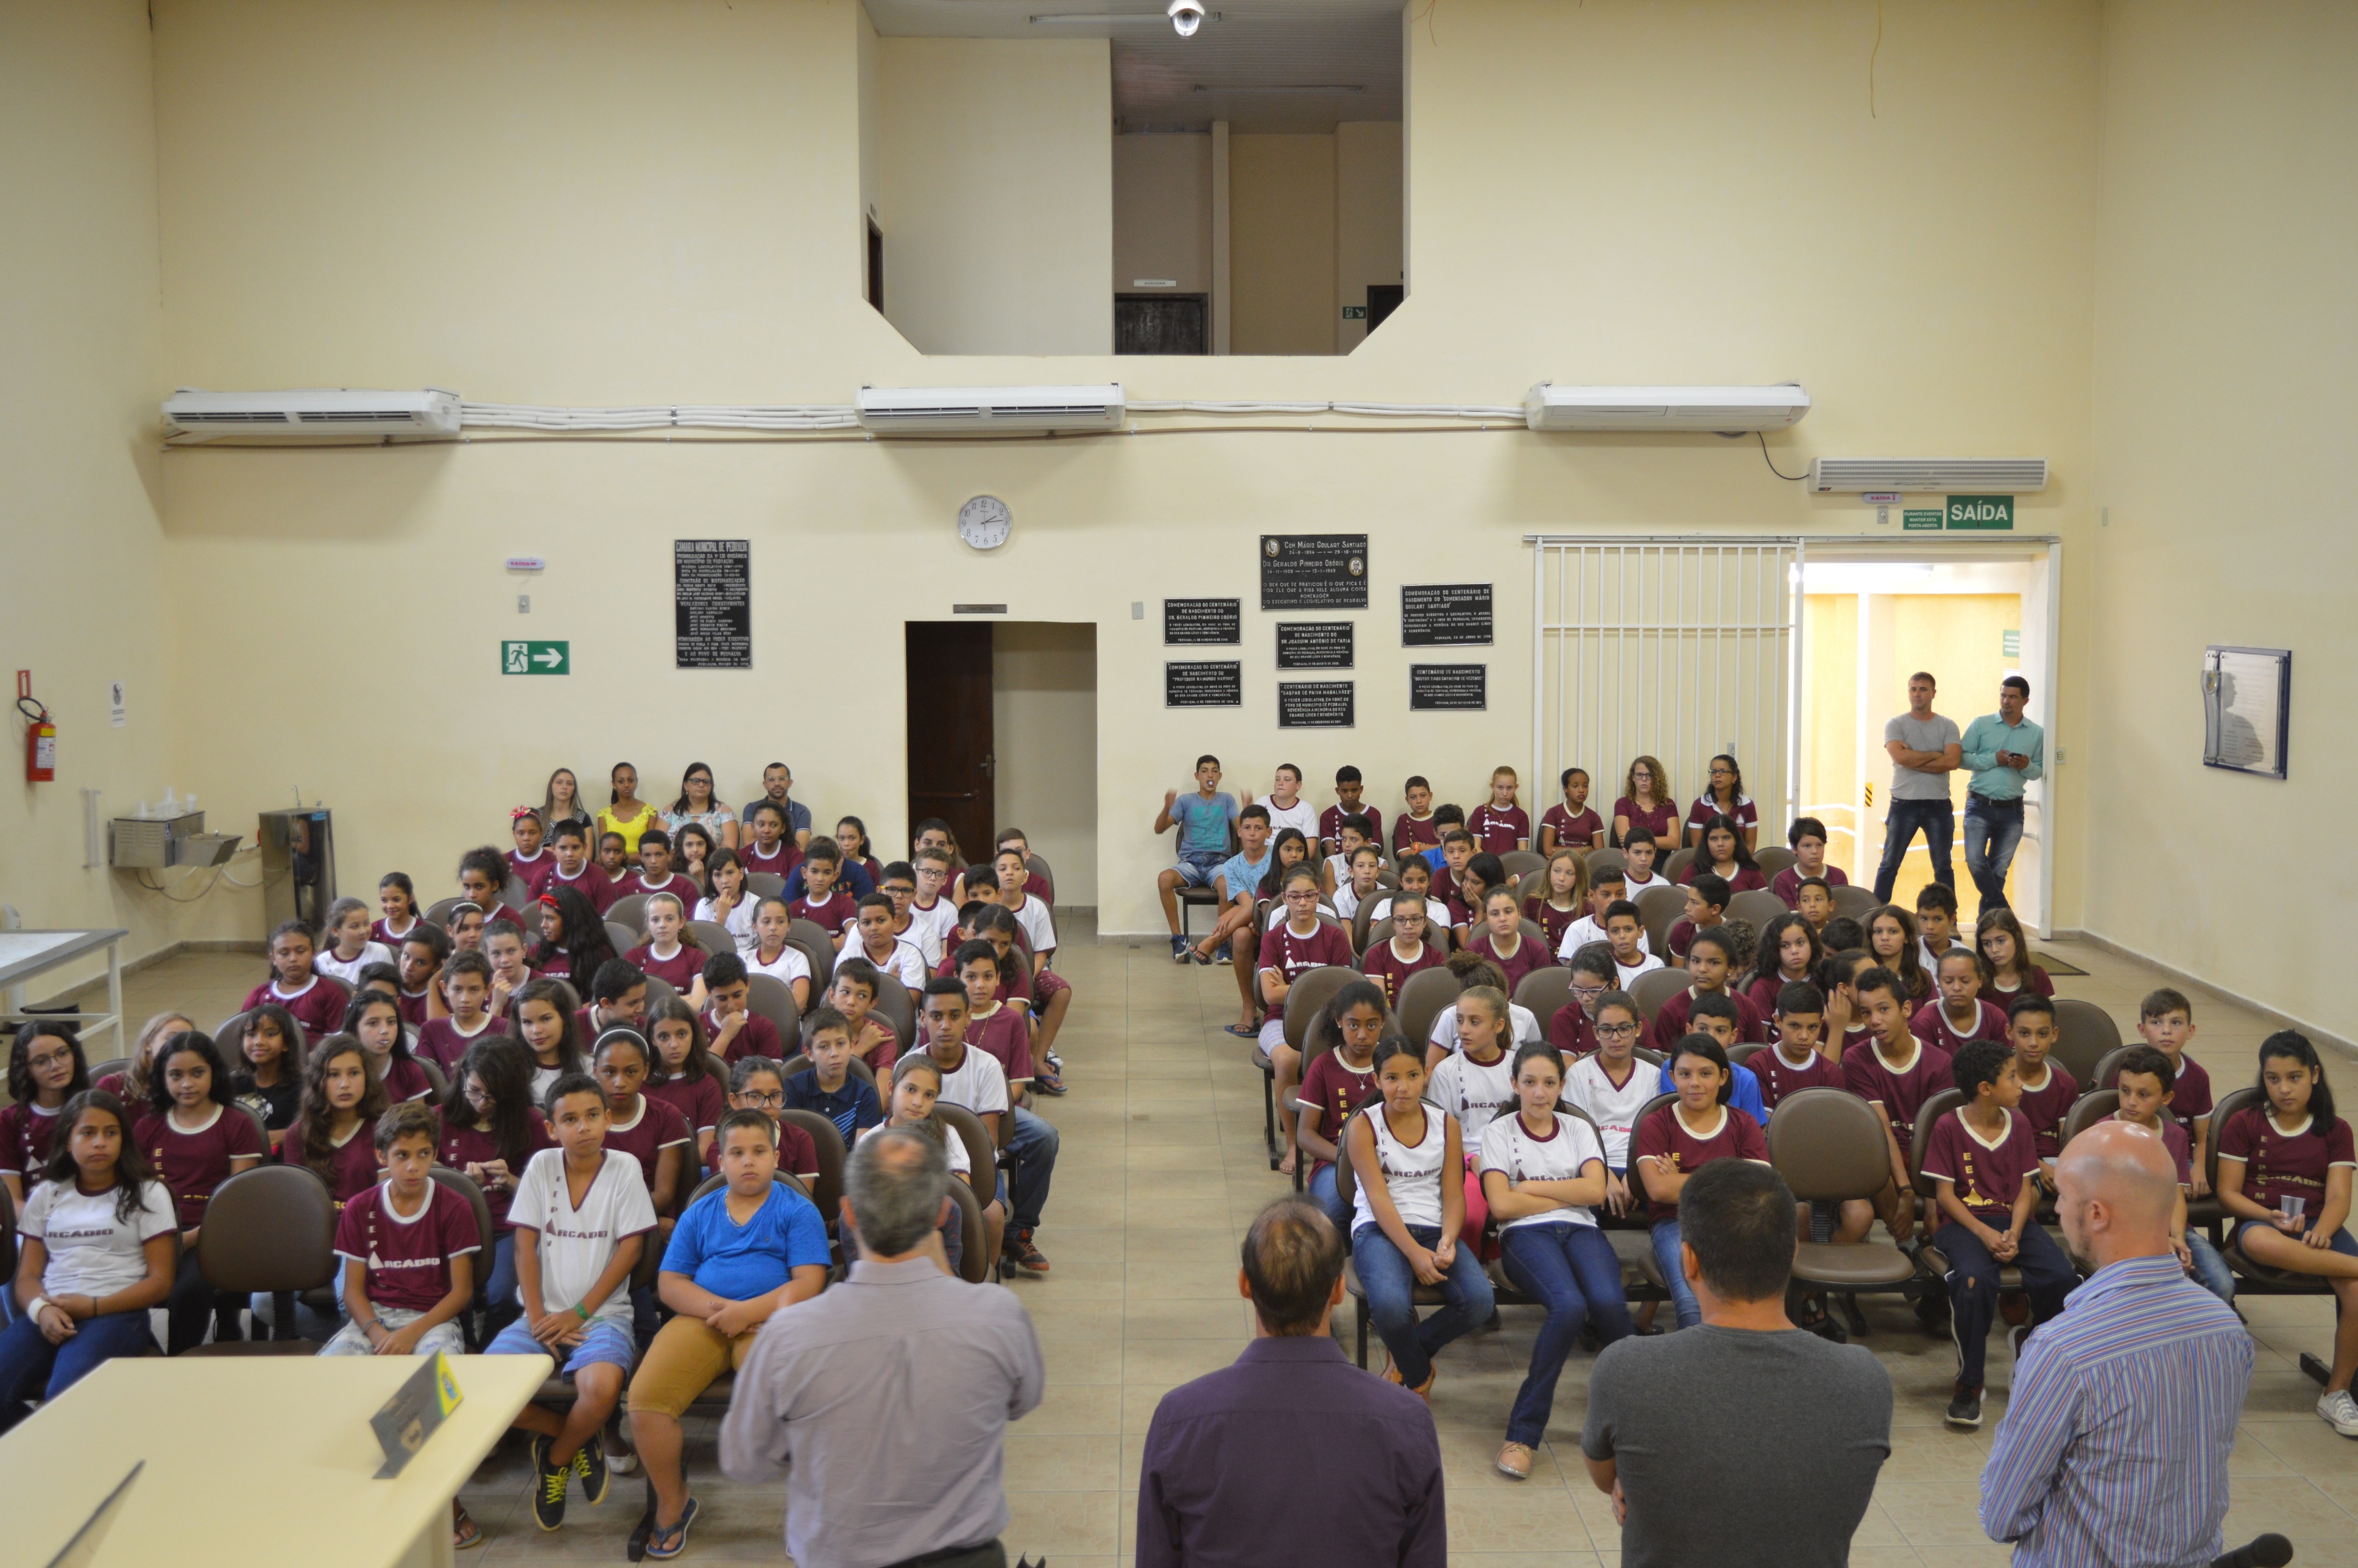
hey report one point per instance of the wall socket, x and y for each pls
(524, 604)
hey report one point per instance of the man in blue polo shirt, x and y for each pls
(2005, 751)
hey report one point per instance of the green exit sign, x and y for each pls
(535, 658)
(1925, 522)
(1980, 511)
(1355, 312)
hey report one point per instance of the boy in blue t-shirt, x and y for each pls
(828, 1087)
(738, 1254)
(1203, 821)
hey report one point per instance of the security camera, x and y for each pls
(1186, 16)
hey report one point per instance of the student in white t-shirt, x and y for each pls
(773, 956)
(1603, 893)
(101, 1244)
(1638, 862)
(872, 939)
(1624, 932)
(1611, 1086)
(1285, 806)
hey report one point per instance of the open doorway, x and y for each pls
(1873, 617)
(1003, 732)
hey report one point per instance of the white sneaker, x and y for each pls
(2340, 1412)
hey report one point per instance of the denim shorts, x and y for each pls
(2341, 1243)
(607, 1341)
(1198, 871)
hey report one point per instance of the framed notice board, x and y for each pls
(1212, 683)
(712, 597)
(1313, 571)
(1315, 705)
(1448, 689)
(1314, 645)
(2246, 710)
(1202, 622)
(1436, 616)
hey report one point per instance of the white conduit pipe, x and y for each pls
(841, 417)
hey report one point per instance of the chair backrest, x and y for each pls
(1654, 987)
(1042, 879)
(8, 1237)
(1659, 909)
(1774, 859)
(766, 996)
(1522, 862)
(122, 1064)
(518, 897)
(630, 909)
(1677, 860)
(1345, 1184)
(1757, 906)
(436, 1078)
(858, 1067)
(229, 1038)
(2086, 1111)
(2084, 1034)
(2106, 1070)
(974, 1263)
(831, 1155)
(2223, 1110)
(1744, 1051)
(621, 937)
(1856, 902)
(1600, 860)
(818, 947)
(1363, 924)
(1545, 992)
(1828, 1146)
(1928, 1116)
(1310, 996)
(1421, 999)
(269, 1229)
(464, 1185)
(439, 911)
(765, 884)
(982, 1154)
(897, 1011)
(712, 936)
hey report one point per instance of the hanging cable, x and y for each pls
(1795, 478)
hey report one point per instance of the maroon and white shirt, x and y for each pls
(382, 930)
(1006, 1035)
(318, 1005)
(1931, 1022)
(1705, 809)
(1734, 1136)
(1391, 971)
(757, 1036)
(1293, 955)
(1414, 833)
(2039, 984)
(1988, 1176)
(831, 913)
(2191, 1101)
(351, 1164)
(679, 887)
(1330, 823)
(1498, 831)
(1528, 958)
(1671, 1020)
(2174, 1138)
(1331, 1090)
(1572, 1032)
(653, 1129)
(1661, 821)
(406, 1257)
(1779, 1077)
(1574, 831)
(460, 1144)
(27, 1133)
(592, 884)
(2046, 1106)
(1899, 1090)
(533, 869)
(779, 862)
(1747, 878)
(2279, 1164)
(700, 1101)
(414, 1011)
(680, 971)
(192, 1161)
(1788, 885)
(441, 1041)
(1553, 921)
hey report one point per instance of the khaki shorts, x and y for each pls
(686, 1356)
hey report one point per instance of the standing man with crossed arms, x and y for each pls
(1925, 750)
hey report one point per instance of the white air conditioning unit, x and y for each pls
(1548, 407)
(311, 411)
(1930, 476)
(982, 409)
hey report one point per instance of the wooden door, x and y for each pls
(950, 759)
(1162, 324)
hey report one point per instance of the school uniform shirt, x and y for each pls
(1006, 1035)
(853, 1108)
(2038, 983)
(404, 1079)
(381, 930)
(1661, 821)
(739, 1262)
(1932, 959)
(1746, 879)
(1389, 970)
(789, 966)
(1412, 1172)
(1553, 921)
(1612, 1106)
(1293, 955)
(413, 1011)
(1415, 833)
(1574, 830)
(1670, 1022)
(1899, 1090)
(797, 1151)
(1330, 824)
(1474, 1093)
(851, 879)
(905, 962)
(1633, 887)
(92, 1252)
(830, 915)
(318, 1005)
(406, 1256)
(458, 1144)
(593, 884)
(1017, 991)
(740, 924)
(192, 1161)
(1300, 815)
(1627, 973)
(1779, 1077)
(1931, 1022)
(533, 869)
(757, 1036)
(1450, 909)
(1039, 925)
(1521, 1155)
(351, 1164)
(576, 1244)
(28, 1132)
(1498, 829)
(1733, 1135)
(2190, 1102)
(1700, 813)
(1987, 1175)
(1528, 958)
(1586, 930)
(2279, 1164)
(932, 929)
(2046, 1106)
(634, 884)
(961, 1162)
(979, 1084)
(1331, 1090)
(1572, 1032)
(276, 1104)
(441, 1041)
(325, 962)
(1762, 993)
(1788, 883)
(652, 1129)
(700, 1102)
(1521, 1021)
(680, 971)
(779, 862)
(2174, 1138)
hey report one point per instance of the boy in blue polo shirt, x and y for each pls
(828, 1087)
(1203, 821)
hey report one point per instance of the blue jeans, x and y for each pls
(31, 1368)
(500, 1305)
(1573, 1270)
(1993, 829)
(1034, 1144)
(1323, 1194)
(1899, 825)
(2210, 1270)
(1390, 1285)
(1689, 1310)
(2047, 1276)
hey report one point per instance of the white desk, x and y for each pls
(25, 953)
(251, 1459)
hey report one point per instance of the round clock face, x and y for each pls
(984, 522)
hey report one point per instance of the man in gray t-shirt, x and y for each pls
(1694, 1434)
(1925, 750)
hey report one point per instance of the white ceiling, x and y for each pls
(1163, 82)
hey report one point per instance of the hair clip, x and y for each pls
(520, 811)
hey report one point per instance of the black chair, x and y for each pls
(460, 1183)
(2253, 1277)
(270, 1231)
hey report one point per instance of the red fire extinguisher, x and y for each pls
(40, 735)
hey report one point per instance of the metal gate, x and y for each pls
(1675, 648)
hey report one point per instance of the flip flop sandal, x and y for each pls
(667, 1543)
(1241, 1032)
(464, 1531)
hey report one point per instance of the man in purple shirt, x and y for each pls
(1244, 1465)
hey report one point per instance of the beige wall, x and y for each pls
(1162, 211)
(995, 183)
(1043, 688)
(871, 139)
(1370, 242)
(1282, 243)
(2225, 331)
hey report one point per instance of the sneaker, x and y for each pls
(1220, 954)
(590, 1464)
(1020, 1252)
(1965, 1409)
(547, 1485)
(1178, 949)
(2340, 1412)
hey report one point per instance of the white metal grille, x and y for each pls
(1678, 649)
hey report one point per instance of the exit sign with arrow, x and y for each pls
(535, 658)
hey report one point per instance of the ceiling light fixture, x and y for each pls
(1117, 18)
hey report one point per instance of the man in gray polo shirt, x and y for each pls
(1925, 750)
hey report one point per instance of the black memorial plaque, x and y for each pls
(1315, 705)
(1445, 689)
(1208, 622)
(1207, 684)
(1437, 615)
(1314, 644)
(712, 619)
(1313, 571)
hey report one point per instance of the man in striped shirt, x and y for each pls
(2114, 1444)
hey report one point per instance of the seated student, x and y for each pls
(1956, 1012)
(1573, 1030)
(853, 992)
(1896, 1073)
(2165, 1023)
(505, 945)
(1499, 824)
(725, 900)
(1846, 1026)
(1475, 1083)
(736, 1256)
(872, 939)
(1408, 1211)
(1288, 849)
(1712, 1014)
(47, 1069)
(654, 872)
(670, 954)
(397, 897)
(772, 849)
(1625, 933)
(1796, 1058)
(423, 953)
(615, 851)
(1644, 804)
(1721, 853)
(350, 947)
(1679, 1140)
(1418, 828)
(98, 1247)
(488, 1129)
(482, 875)
(773, 956)
(1572, 825)
(1391, 963)
(467, 923)
(193, 1140)
(466, 987)
(828, 1086)
(1724, 797)
(374, 1020)
(1341, 1078)
(1707, 897)
(1710, 968)
(529, 862)
(809, 890)
(1238, 882)
(1839, 934)
(1637, 865)
(1787, 953)
(916, 1086)
(2006, 968)
(317, 1004)
(1605, 889)
(342, 1099)
(691, 844)
(680, 1073)
(1610, 1087)
(582, 1215)
(1285, 806)
(1350, 789)
(1542, 1173)
(1891, 937)
(1473, 969)
(2145, 1081)
(1936, 925)
(1366, 866)
(1563, 899)
(1501, 940)
(1456, 850)
(899, 886)
(1814, 900)
(932, 917)
(1412, 875)
(992, 1025)
(973, 1078)
(573, 940)
(1807, 838)
(851, 838)
(1295, 946)
(640, 1126)
(1982, 1158)
(757, 1083)
(575, 871)
(267, 1078)
(734, 1030)
(1335, 868)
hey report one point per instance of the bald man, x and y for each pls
(2114, 1444)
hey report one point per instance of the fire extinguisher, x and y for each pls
(40, 735)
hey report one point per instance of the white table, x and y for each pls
(250, 1459)
(25, 953)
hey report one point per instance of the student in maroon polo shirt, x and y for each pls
(1896, 1073)
(1417, 829)
(1957, 1012)
(1500, 826)
(482, 875)
(654, 874)
(1795, 1059)
(1573, 824)
(2048, 1091)
(1349, 788)
(317, 1001)
(1807, 838)
(1711, 960)
(669, 954)
(195, 1136)
(1502, 939)
(570, 845)
(530, 861)
(771, 848)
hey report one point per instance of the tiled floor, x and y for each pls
(1161, 1168)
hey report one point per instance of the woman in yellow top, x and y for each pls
(628, 816)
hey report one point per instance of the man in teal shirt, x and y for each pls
(2003, 751)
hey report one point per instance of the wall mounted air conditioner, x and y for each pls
(1548, 407)
(1938, 476)
(984, 409)
(329, 411)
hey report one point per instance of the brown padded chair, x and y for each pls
(659, 991)
(1314, 1044)
(1522, 862)
(269, 1231)
(2107, 1070)
(982, 1156)
(818, 945)
(1436, 936)
(1744, 1051)
(1602, 860)
(122, 1064)
(1856, 902)
(1303, 1003)
(459, 1183)
(621, 937)
(1545, 992)
(1674, 863)
(766, 996)
(712, 936)
(1042, 878)
(974, 1263)
(896, 1008)
(1774, 860)
(765, 884)
(1655, 986)
(1929, 1218)
(630, 909)
(1759, 906)
(436, 1078)
(825, 1190)
(859, 1067)
(1828, 1146)
(439, 911)
(1421, 999)
(2086, 1111)
(1659, 909)
(2085, 1036)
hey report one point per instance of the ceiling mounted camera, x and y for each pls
(1186, 16)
